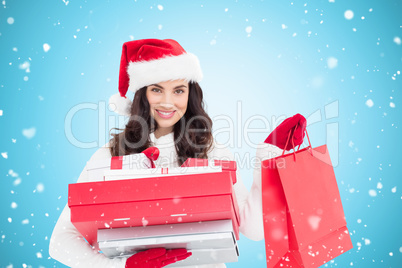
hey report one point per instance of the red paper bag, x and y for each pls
(304, 222)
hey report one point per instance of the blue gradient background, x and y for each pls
(267, 72)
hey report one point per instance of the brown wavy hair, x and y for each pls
(192, 133)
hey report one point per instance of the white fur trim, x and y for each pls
(120, 104)
(144, 73)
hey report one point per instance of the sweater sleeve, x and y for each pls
(69, 247)
(250, 203)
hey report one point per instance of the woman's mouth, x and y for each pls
(165, 114)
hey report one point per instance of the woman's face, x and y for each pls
(168, 103)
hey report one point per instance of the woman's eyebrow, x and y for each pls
(180, 86)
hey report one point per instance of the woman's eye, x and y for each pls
(156, 90)
(179, 91)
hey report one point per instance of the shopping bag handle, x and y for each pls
(291, 132)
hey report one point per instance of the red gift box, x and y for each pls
(152, 201)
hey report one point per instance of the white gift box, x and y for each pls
(116, 174)
(96, 168)
(210, 241)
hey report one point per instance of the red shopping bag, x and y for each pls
(304, 222)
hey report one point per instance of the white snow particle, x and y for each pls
(369, 103)
(359, 221)
(17, 182)
(144, 222)
(10, 20)
(1, 112)
(314, 222)
(351, 144)
(400, 249)
(40, 187)
(160, 27)
(379, 185)
(29, 133)
(26, 221)
(12, 173)
(397, 40)
(39, 255)
(26, 78)
(367, 242)
(372, 193)
(213, 42)
(331, 1)
(284, 26)
(391, 254)
(46, 47)
(14, 205)
(25, 66)
(4, 155)
(249, 29)
(160, 7)
(332, 62)
(393, 190)
(351, 190)
(348, 14)
(226, 9)
(392, 105)
(10, 220)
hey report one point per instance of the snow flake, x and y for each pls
(332, 62)
(213, 42)
(397, 40)
(14, 205)
(391, 254)
(359, 221)
(331, 1)
(40, 187)
(39, 255)
(107, 225)
(351, 190)
(4, 155)
(392, 105)
(10, 220)
(1, 112)
(369, 103)
(144, 222)
(10, 20)
(284, 26)
(400, 249)
(367, 242)
(46, 47)
(226, 9)
(25, 66)
(160, 7)
(393, 190)
(160, 27)
(379, 185)
(373, 193)
(349, 14)
(314, 222)
(29, 133)
(26, 221)
(249, 29)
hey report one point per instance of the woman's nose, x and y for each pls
(167, 101)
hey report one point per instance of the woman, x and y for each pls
(167, 112)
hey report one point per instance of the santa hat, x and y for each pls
(149, 61)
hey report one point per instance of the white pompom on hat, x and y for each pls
(149, 61)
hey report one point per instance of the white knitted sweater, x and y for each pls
(68, 247)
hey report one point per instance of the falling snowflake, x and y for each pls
(332, 62)
(369, 103)
(46, 47)
(349, 14)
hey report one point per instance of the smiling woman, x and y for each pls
(168, 103)
(167, 112)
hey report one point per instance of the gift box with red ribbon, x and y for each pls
(159, 200)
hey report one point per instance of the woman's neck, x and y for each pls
(159, 132)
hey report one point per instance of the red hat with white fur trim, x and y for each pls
(149, 61)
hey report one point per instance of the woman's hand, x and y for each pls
(156, 258)
(279, 136)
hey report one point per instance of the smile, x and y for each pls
(165, 114)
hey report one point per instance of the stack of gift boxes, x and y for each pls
(130, 208)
